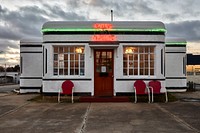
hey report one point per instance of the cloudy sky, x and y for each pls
(24, 18)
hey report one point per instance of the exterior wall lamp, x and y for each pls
(129, 50)
(79, 50)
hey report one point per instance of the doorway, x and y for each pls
(103, 72)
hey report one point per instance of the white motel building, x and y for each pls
(102, 58)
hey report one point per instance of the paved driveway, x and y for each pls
(8, 88)
(21, 116)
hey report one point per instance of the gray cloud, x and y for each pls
(27, 21)
(21, 23)
(171, 16)
(6, 44)
(190, 30)
(59, 13)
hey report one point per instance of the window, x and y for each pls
(69, 60)
(138, 60)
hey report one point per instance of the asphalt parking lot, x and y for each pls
(19, 115)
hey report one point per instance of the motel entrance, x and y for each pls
(103, 72)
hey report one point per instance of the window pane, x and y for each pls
(82, 57)
(135, 71)
(61, 64)
(72, 49)
(60, 49)
(61, 72)
(82, 64)
(109, 54)
(65, 71)
(151, 56)
(146, 49)
(72, 56)
(66, 64)
(135, 50)
(76, 64)
(61, 57)
(82, 72)
(131, 57)
(151, 71)
(151, 49)
(141, 49)
(141, 71)
(55, 57)
(71, 71)
(125, 71)
(142, 56)
(55, 71)
(130, 71)
(65, 49)
(55, 64)
(61, 60)
(55, 49)
(76, 71)
(66, 57)
(146, 71)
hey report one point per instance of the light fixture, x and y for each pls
(79, 50)
(129, 50)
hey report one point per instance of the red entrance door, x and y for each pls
(103, 72)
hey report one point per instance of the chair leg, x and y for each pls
(58, 97)
(72, 98)
(152, 98)
(166, 98)
(135, 97)
(149, 97)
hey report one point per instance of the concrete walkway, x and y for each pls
(21, 116)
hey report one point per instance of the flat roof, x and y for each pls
(117, 26)
(31, 41)
(175, 41)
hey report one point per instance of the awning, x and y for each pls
(104, 44)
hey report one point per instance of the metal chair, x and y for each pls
(67, 89)
(140, 88)
(155, 88)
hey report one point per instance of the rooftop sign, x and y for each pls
(103, 36)
(102, 26)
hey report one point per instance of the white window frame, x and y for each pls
(69, 53)
(138, 53)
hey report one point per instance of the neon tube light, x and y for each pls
(175, 43)
(104, 38)
(103, 26)
(93, 30)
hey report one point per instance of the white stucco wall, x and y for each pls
(85, 83)
(31, 65)
(175, 69)
(53, 83)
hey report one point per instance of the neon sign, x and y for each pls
(102, 26)
(104, 38)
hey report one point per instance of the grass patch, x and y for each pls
(53, 99)
(157, 98)
(67, 99)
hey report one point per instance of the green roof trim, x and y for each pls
(176, 43)
(46, 30)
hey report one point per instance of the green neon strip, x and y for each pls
(93, 30)
(175, 43)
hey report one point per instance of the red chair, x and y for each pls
(140, 88)
(67, 89)
(155, 87)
